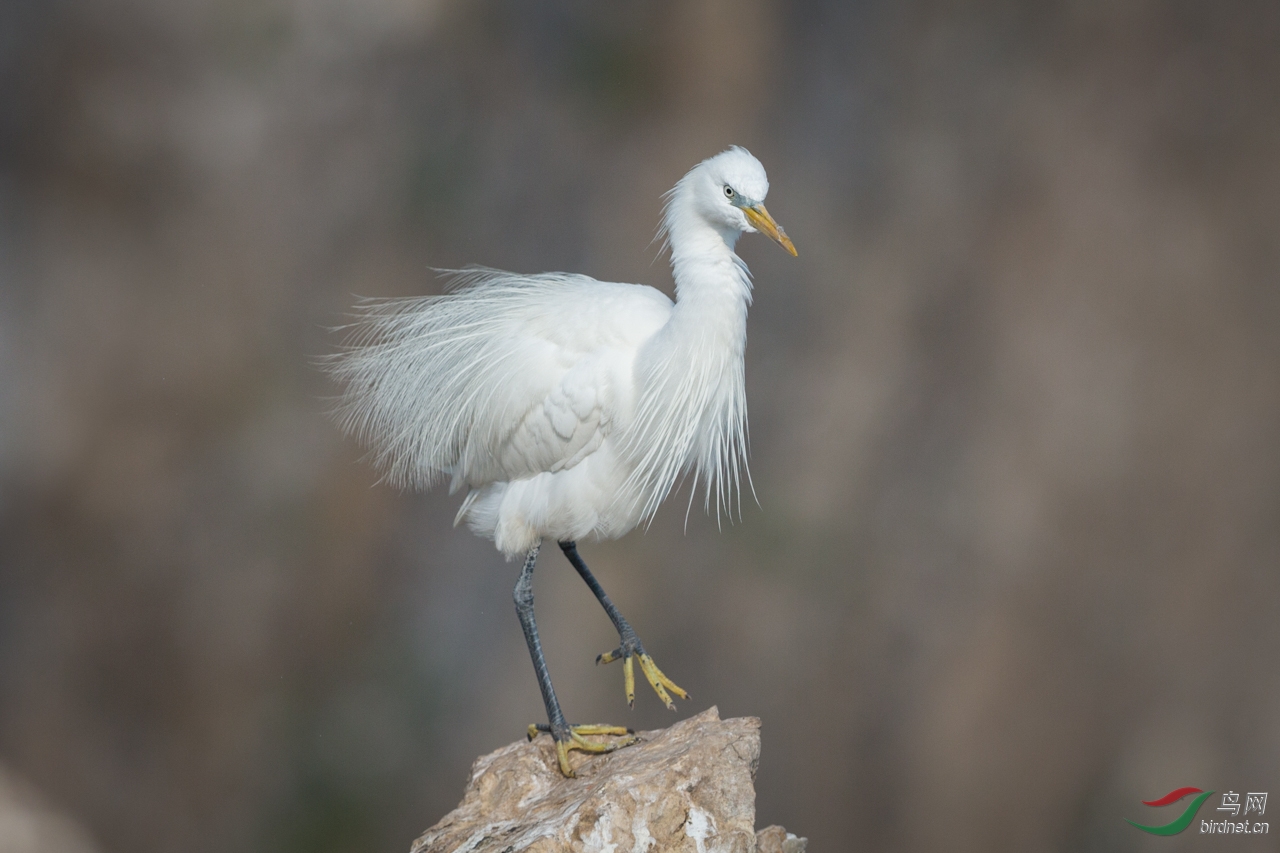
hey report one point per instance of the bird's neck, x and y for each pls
(691, 413)
(713, 285)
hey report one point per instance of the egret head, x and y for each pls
(729, 190)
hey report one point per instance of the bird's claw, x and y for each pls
(658, 680)
(575, 737)
(627, 653)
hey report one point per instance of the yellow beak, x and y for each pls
(763, 222)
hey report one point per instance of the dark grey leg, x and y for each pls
(624, 627)
(524, 610)
(630, 647)
(567, 737)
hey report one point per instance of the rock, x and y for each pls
(775, 839)
(29, 824)
(685, 788)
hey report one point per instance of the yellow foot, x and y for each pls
(628, 652)
(572, 737)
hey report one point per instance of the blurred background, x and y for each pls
(1015, 410)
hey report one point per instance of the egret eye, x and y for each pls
(728, 191)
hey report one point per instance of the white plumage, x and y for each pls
(565, 406)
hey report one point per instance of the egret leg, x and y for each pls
(566, 737)
(630, 648)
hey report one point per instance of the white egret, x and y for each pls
(568, 407)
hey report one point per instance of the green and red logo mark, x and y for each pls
(1182, 822)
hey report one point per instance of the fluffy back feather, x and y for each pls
(433, 384)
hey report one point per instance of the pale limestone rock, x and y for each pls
(775, 839)
(29, 824)
(688, 788)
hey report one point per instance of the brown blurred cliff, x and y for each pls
(1015, 408)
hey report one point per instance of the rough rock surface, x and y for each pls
(685, 788)
(775, 839)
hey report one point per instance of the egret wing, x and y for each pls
(505, 377)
